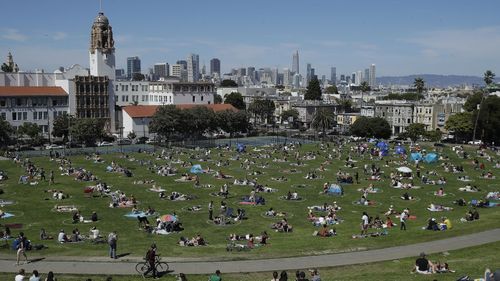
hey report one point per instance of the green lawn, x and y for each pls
(34, 205)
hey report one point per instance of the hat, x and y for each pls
(433, 219)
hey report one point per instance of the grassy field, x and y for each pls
(470, 261)
(33, 208)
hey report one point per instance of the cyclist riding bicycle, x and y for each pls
(150, 259)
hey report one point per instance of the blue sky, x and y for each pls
(400, 37)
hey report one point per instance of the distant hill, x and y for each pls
(432, 80)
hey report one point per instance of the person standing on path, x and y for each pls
(112, 238)
(210, 210)
(21, 248)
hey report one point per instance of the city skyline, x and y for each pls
(448, 37)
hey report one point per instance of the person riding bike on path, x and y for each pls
(151, 259)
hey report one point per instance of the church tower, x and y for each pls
(102, 48)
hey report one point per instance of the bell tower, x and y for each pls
(102, 48)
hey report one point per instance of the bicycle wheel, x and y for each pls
(162, 267)
(142, 267)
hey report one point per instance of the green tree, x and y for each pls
(293, 113)
(345, 105)
(473, 101)
(30, 130)
(405, 96)
(364, 87)
(313, 91)
(7, 68)
(232, 122)
(235, 99)
(323, 119)
(415, 131)
(228, 83)
(489, 76)
(371, 127)
(6, 131)
(460, 124)
(488, 120)
(435, 135)
(61, 126)
(166, 120)
(264, 108)
(87, 130)
(217, 99)
(419, 85)
(332, 90)
(201, 120)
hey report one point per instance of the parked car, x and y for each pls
(53, 146)
(476, 142)
(104, 143)
(124, 141)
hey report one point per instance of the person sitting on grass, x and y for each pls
(325, 232)
(423, 265)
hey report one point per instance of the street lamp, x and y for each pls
(477, 119)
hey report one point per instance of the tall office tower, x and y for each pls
(214, 66)
(353, 78)
(251, 72)
(183, 63)
(275, 77)
(295, 63)
(348, 79)
(366, 77)
(359, 77)
(342, 77)
(175, 70)
(203, 70)
(333, 76)
(372, 82)
(323, 79)
(193, 69)
(120, 73)
(313, 74)
(133, 66)
(308, 74)
(296, 80)
(160, 70)
(287, 77)
(242, 71)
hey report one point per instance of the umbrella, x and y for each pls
(168, 218)
(404, 170)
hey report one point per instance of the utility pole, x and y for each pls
(477, 119)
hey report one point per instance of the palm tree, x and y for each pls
(364, 87)
(489, 76)
(323, 119)
(419, 84)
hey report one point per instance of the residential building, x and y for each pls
(345, 120)
(399, 114)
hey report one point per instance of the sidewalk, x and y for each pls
(87, 265)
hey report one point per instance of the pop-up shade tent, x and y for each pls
(196, 169)
(400, 150)
(415, 156)
(431, 158)
(240, 147)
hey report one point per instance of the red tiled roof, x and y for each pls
(32, 91)
(143, 111)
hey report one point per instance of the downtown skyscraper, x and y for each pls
(295, 63)
(372, 80)
(193, 67)
(133, 66)
(333, 75)
(215, 66)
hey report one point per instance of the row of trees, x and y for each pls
(170, 121)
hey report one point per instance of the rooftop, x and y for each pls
(10, 91)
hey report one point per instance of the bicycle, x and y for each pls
(143, 267)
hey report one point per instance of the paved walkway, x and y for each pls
(85, 266)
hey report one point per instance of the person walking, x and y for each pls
(364, 224)
(21, 248)
(51, 178)
(112, 239)
(402, 219)
(151, 259)
(211, 210)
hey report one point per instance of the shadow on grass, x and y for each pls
(36, 260)
(122, 255)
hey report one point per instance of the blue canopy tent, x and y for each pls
(416, 156)
(400, 150)
(382, 145)
(372, 140)
(334, 189)
(196, 169)
(431, 158)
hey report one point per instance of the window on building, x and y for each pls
(35, 115)
(45, 115)
(116, 88)
(40, 115)
(25, 115)
(201, 97)
(3, 116)
(3, 103)
(194, 99)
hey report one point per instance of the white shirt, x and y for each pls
(364, 218)
(94, 233)
(19, 277)
(61, 236)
